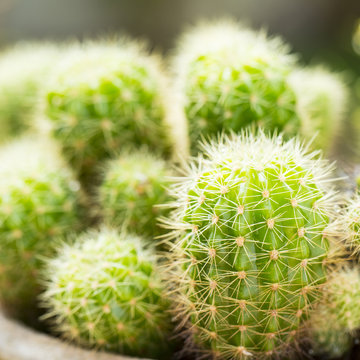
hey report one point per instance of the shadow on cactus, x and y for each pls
(133, 187)
(253, 242)
(39, 200)
(107, 95)
(104, 291)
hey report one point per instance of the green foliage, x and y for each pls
(106, 95)
(133, 185)
(321, 102)
(338, 316)
(253, 240)
(39, 200)
(23, 71)
(105, 292)
(231, 77)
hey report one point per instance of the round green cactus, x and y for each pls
(105, 292)
(321, 102)
(253, 242)
(24, 69)
(352, 223)
(105, 95)
(231, 77)
(134, 184)
(39, 200)
(338, 316)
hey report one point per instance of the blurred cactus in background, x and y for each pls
(107, 95)
(105, 292)
(39, 201)
(134, 184)
(24, 69)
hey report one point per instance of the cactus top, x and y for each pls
(231, 77)
(252, 245)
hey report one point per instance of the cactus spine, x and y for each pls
(134, 184)
(39, 200)
(231, 77)
(252, 245)
(104, 291)
(107, 95)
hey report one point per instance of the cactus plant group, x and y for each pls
(105, 292)
(252, 245)
(39, 200)
(106, 96)
(134, 184)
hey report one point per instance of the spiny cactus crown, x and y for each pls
(106, 95)
(338, 315)
(231, 77)
(252, 244)
(321, 102)
(104, 291)
(39, 200)
(133, 186)
(24, 69)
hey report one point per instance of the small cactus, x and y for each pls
(39, 200)
(134, 184)
(231, 77)
(104, 292)
(321, 102)
(24, 69)
(107, 95)
(352, 223)
(253, 229)
(338, 316)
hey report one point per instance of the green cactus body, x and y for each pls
(321, 103)
(105, 292)
(338, 316)
(252, 243)
(104, 96)
(39, 200)
(133, 186)
(352, 223)
(23, 71)
(231, 77)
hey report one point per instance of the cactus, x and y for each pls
(253, 233)
(24, 69)
(338, 315)
(352, 223)
(104, 291)
(321, 102)
(133, 185)
(231, 77)
(39, 200)
(106, 95)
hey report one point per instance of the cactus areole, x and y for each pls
(252, 245)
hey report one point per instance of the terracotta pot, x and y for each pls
(20, 343)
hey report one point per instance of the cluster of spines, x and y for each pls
(39, 200)
(351, 220)
(107, 95)
(134, 187)
(104, 291)
(252, 245)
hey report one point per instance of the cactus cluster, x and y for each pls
(24, 69)
(105, 291)
(338, 316)
(231, 77)
(104, 96)
(253, 244)
(39, 200)
(134, 184)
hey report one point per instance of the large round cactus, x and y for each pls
(252, 245)
(105, 292)
(24, 69)
(39, 200)
(231, 77)
(107, 95)
(133, 187)
(321, 99)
